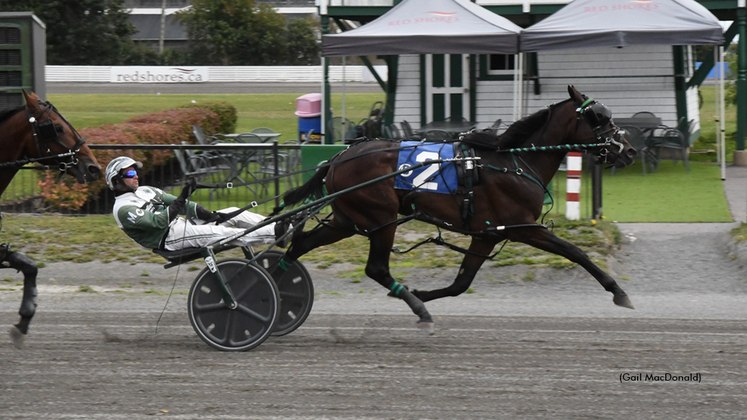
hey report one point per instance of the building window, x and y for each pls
(497, 66)
(501, 64)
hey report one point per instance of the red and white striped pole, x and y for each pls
(573, 187)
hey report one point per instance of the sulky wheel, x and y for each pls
(296, 292)
(254, 318)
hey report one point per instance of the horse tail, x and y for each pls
(313, 189)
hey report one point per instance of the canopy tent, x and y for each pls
(620, 23)
(428, 27)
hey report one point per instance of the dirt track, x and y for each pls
(552, 347)
(111, 366)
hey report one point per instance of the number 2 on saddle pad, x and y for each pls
(439, 178)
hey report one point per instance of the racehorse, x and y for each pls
(505, 201)
(37, 133)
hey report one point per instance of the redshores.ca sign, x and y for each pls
(152, 74)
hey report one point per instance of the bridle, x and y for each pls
(46, 131)
(597, 115)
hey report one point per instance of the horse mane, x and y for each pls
(6, 114)
(514, 136)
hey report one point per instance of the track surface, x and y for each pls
(111, 366)
(551, 347)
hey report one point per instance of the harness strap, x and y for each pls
(398, 221)
(22, 162)
(586, 102)
(517, 171)
(439, 240)
(467, 177)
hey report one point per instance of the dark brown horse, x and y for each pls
(504, 202)
(37, 133)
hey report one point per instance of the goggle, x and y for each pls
(130, 174)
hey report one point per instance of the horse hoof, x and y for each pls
(429, 327)
(17, 337)
(624, 301)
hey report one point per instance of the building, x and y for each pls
(657, 78)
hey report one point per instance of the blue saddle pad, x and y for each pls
(438, 177)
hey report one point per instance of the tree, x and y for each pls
(242, 33)
(90, 32)
(730, 93)
(303, 48)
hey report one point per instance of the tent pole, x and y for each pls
(326, 102)
(343, 130)
(722, 116)
(716, 105)
(741, 82)
(520, 86)
(516, 76)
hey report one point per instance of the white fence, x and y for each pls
(217, 74)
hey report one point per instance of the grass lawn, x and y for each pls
(53, 238)
(670, 195)
(274, 111)
(704, 149)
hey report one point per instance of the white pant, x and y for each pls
(184, 234)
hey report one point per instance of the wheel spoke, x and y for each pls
(252, 314)
(210, 307)
(246, 289)
(229, 326)
(293, 296)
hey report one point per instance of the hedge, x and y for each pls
(171, 126)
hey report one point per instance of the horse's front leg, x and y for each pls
(377, 268)
(470, 265)
(27, 266)
(543, 239)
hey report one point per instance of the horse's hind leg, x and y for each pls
(470, 265)
(543, 239)
(27, 266)
(378, 259)
(377, 268)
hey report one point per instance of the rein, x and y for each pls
(558, 148)
(22, 162)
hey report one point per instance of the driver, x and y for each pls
(149, 216)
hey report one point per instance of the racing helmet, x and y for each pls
(113, 178)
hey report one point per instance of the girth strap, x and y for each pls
(467, 177)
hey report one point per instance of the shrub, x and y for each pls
(65, 194)
(226, 113)
(171, 126)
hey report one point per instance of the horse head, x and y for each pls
(612, 146)
(54, 137)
